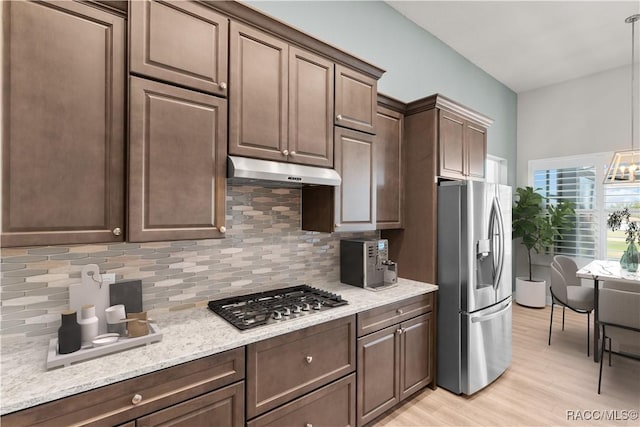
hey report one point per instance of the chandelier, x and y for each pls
(624, 167)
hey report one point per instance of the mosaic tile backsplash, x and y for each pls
(264, 248)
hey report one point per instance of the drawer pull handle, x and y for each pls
(137, 398)
(400, 311)
(309, 359)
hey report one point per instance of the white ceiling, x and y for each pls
(531, 44)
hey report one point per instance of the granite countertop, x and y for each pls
(187, 335)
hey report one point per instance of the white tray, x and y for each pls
(54, 359)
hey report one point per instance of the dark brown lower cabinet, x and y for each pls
(378, 373)
(394, 363)
(330, 406)
(220, 408)
(164, 397)
(288, 366)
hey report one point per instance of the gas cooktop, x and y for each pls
(261, 308)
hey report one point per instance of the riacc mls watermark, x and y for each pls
(602, 414)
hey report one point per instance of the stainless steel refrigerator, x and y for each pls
(474, 279)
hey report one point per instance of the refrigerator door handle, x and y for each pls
(496, 214)
(492, 315)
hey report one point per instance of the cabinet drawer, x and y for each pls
(225, 406)
(331, 406)
(112, 404)
(285, 367)
(381, 317)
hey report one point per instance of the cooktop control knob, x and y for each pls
(317, 305)
(277, 315)
(286, 311)
(297, 309)
(306, 307)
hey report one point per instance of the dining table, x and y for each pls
(600, 271)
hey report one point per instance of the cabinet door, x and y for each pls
(220, 408)
(356, 100)
(476, 142)
(310, 109)
(355, 198)
(451, 145)
(177, 163)
(330, 406)
(63, 124)
(416, 349)
(378, 373)
(259, 97)
(181, 42)
(387, 147)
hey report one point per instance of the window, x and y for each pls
(578, 179)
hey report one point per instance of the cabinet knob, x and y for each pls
(117, 231)
(137, 398)
(309, 425)
(336, 225)
(399, 331)
(222, 229)
(339, 117)
(223, 85)
(400, 311)
(309, 359)
(285, 152)
(293, 153)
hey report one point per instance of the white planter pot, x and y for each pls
(531, 293)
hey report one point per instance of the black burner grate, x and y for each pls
(249, 311)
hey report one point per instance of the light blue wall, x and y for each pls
(417, 63)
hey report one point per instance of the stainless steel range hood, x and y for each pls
(266, 170)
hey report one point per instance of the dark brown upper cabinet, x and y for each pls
(310, 108)
(63, 124)
(281, 100)
(462, 147)
(356, 99)
(352, 205)
(181, 42)
(389, 162)
(177, 163)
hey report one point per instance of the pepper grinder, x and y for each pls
(69, 333)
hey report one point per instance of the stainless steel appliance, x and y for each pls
(261, 308)
(366, 264)
(474, 279)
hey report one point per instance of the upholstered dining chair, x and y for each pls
(619, 316)
(566, 291)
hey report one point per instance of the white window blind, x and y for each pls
(579, 179)
(575, 185)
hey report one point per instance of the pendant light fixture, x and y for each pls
(624, 167)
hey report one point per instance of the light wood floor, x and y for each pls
(541, 386)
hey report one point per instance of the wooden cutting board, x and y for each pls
(90, 291)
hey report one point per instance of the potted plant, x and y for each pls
(615, 220)
(538, 226)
